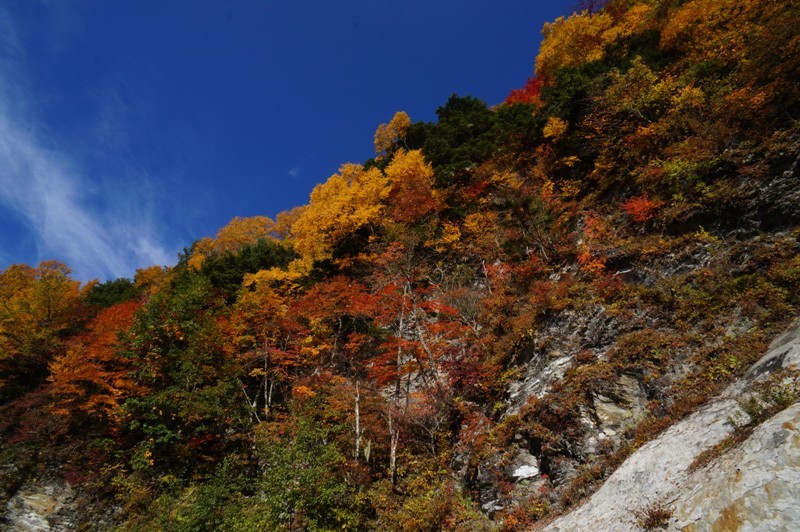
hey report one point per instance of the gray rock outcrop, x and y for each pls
(35, 507)
(755, 486)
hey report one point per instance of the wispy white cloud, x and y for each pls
(73, 216)
(294, 171)
(46, 189)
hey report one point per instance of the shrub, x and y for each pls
(654, 516)
(641, 209)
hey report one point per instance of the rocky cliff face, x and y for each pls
(753, 486)
(660, 371)
(39, 506)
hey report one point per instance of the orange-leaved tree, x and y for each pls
(336, 315)
(264, 342)
(91, 378)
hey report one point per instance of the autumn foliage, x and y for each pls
(355, 363)
(641, 209)
(530, 93)
(90, 378)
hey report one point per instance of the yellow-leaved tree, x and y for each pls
(582, 37)
(37, 305)
(411, 194)
(151, 279)
(394, 131)
(572, 42)
(348, 201)
(745, 35)
(238, 233)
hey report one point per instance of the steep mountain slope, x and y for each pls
(690, 477)
(473, 330)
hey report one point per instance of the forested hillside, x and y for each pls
(471, 331)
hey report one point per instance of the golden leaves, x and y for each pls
(348, 201)
(238, 233)
(554, 128)
(150, 280)
(635, 20)
(411, 195)
(449, 239)
(394, 131)
(302, 392)
(196, 261)
(37, 302)
(714, 30)
(572, 42)
(640, 91)
(582, 38)
(242, 231)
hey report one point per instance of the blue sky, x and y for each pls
(129, 129)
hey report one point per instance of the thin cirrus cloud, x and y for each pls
(45, 189)
(47, 192)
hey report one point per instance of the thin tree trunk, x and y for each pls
(267, 389)
(394, 439)
(268, 406)
(251, 404)
(358, 422)
(486, 276)
(394, 416)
